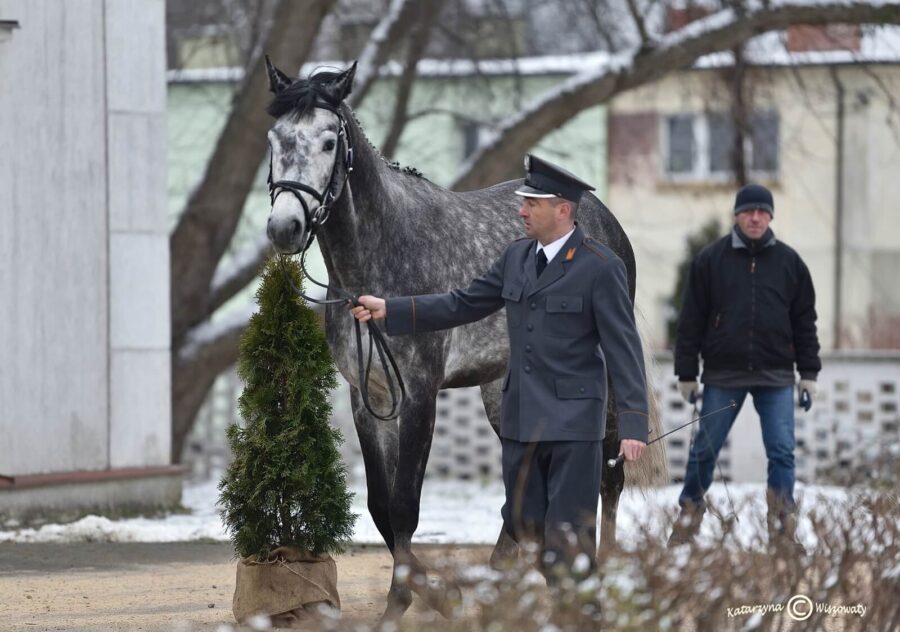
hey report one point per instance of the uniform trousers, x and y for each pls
(552, 491)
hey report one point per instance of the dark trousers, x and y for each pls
(552, 490)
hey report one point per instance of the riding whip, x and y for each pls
(621, 458)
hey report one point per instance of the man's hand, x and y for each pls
(689, 391)
(806, 391)
(369, 307)
(631, 448)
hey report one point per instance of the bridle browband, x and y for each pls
(316, 219)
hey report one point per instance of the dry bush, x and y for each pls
(729, 581)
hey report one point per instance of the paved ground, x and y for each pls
(177, 587)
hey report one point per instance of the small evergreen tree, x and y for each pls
(286, 485)
(696, 242)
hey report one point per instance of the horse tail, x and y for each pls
(652, 469)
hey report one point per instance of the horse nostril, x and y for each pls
(295, 229)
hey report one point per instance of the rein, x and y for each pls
(314, 221)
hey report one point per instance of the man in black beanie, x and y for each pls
(749, 310)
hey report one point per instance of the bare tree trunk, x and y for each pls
(741, 110)
(210, 218)
(207, 224)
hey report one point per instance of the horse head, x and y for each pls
(310, 153)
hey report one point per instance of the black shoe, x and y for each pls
(686, 528)
(783, 535)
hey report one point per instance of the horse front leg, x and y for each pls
(410, 574)
(378, 444)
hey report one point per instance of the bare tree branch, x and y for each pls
(676, 51)
(599, 24)
(243, 269)
(418, 41)
(639, 23)
(401, 15)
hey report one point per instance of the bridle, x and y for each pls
(314, 220)
(327, 197)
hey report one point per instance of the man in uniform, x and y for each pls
(570, 321)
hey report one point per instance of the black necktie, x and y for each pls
(540, 262)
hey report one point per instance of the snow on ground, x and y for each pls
(459, 512)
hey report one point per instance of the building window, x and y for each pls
(682, 152)
(698, 147)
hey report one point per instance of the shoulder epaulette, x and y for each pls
(595, 246)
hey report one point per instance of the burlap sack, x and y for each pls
(287, 587)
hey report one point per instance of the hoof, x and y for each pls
(438, 593)
(505, 554)
(398, 602)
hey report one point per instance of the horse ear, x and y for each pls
(278, 81)
(341, 87)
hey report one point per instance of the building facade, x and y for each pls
(824, 137)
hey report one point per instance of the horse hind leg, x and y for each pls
(611, 484)
(506, 550)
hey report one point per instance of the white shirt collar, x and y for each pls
(551, 249)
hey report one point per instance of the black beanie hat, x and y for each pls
(754, 196)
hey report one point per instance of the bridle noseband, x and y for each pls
(327, 197)
(316, 219)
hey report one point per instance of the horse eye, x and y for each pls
(329, 145)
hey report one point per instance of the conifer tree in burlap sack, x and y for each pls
(284, 497)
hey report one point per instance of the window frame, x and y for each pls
(701, 172)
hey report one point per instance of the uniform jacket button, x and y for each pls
(581, 390)
(528, 369)
(534, 306)
(527, 347)
(563, 304)
(529, 327)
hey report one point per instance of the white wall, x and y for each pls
(853, 416)
(84, 338)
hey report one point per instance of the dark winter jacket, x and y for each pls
(747, 309)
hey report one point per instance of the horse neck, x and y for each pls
(349, 241)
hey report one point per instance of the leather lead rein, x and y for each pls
(314, 220)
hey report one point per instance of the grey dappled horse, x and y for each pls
(392, 232)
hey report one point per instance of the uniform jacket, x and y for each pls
(748, 310)
(567, 329)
